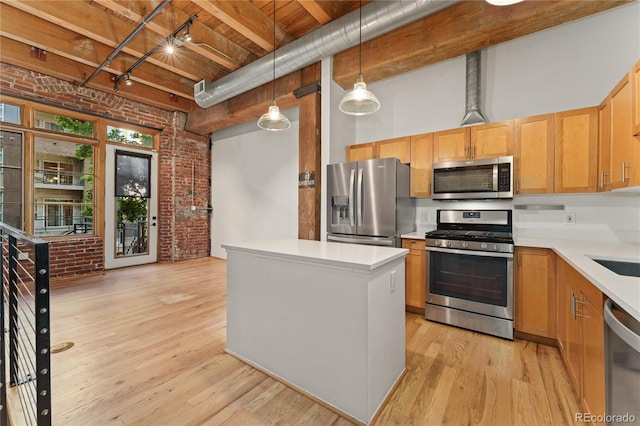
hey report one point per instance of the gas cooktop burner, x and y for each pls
(485, 236)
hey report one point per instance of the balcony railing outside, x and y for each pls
(58, 178)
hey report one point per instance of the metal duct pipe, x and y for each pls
(473, 114)
(378, 17)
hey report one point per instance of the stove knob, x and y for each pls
(465, 244)
(495, 247)
(483, 246)
(436, 243)
(447, 243)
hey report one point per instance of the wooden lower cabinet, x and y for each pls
(535, 292)
(415, 275)
(581, 335)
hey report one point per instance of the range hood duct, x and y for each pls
(473, 114)
(378, 17)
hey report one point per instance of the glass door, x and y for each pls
(131, 212)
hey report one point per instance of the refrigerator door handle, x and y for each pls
(352, 182)
(359, 197)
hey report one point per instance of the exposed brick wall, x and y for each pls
(75, 257)
(183, 234)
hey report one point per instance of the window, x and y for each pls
(10, 113)
(11, 178)
(63, 123)
(129, 137)
(63, 187)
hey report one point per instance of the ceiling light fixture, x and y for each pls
(170, 43)
(503, 2)
(359, 101)
(187, 34)
(274, 120)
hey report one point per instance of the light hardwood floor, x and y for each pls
(149, 350)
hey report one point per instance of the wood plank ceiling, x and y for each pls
(69, 39)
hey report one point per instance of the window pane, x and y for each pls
(10, 113)
(63, 123)
(11, 178)
(131, 137)
(63, 187)
(133, 175)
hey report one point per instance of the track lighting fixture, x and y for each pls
(274, 120)
(169, 44)
(187, 34)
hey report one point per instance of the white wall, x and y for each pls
(254, 184)
(570, 66)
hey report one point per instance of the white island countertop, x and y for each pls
(623, 290)
(352, 256)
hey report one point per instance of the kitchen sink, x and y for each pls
(629, 269)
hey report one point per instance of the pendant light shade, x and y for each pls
(274, 120)
(359, 101)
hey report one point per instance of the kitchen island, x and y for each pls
(325, 318)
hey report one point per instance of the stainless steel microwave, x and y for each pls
(473, 179)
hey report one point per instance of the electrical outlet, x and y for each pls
(392, 282)
(570, 218)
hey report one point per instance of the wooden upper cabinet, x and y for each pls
(398, 147)
(451, 145)
(421, 164)
(534, 154)
(492, 140)
(535, 292)
(604, 145)
(635, 76)
(576, 151)
(364, 151)
(620, 146)
(466, 143)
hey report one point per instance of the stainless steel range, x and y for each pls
(470, 271)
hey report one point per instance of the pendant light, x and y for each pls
(274, 120)
(359, 101)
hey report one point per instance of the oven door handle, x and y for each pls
(471, 252)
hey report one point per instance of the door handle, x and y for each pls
(352, 194)
(602, 176)
(466, 152)
(360, 213)
(473, 151)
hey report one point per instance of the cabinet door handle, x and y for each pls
(573, 306)
(518, 258)
(602, 176)
(517, 185)
(473, 151)
(624, 167)
(429, 188)
(466, 152)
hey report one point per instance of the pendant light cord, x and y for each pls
(360, 39)
(274, 51)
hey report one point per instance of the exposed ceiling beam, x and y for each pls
(66, 43)
(207, 42)
(245, 18)
(465, 27)
(315, 10)
(91, 22)
(18, 54)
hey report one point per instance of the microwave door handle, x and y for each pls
(495, 178)
(352, 194)
(359, 196)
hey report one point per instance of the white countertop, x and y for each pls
(624, 291)
(353, 256)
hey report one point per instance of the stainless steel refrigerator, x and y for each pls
(368, 202)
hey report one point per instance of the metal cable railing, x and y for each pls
(25, 353)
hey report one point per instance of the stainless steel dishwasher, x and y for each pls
(622, 366)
